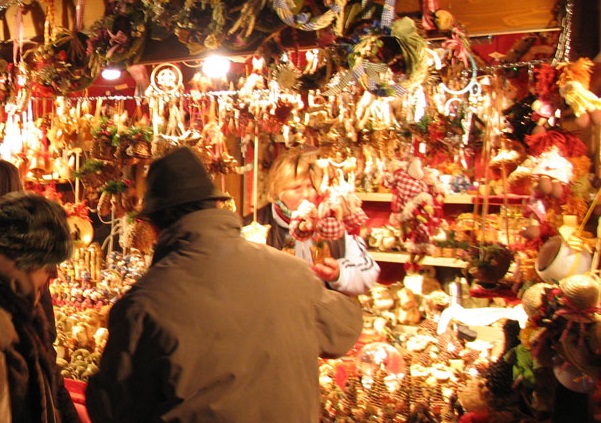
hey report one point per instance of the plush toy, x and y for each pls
(413, 207)
(408, 312)
(334, 214)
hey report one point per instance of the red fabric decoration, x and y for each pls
(568, 144)
(474, 417)
(354, 221)
(79, 209)
(77, 391)
(546, 82)
(330, 228)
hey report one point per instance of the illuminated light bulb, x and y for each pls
(216, 67)
(110, 74)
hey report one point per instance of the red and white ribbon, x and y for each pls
(428, 9)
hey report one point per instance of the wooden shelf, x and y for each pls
(393, 257)
(459, 199)
(386, 197)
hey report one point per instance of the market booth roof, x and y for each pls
(479, 18)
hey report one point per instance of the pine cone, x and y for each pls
(140, 150)
(425, 359)
(499, 377)
(469, 356)
(104, 204)
(140, 235)
(130, 201)
(511, 330)
(428, 326)
(118, 205)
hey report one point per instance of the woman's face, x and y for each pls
(296, 192)
(40, 277)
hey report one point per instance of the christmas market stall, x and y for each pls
(467, 158)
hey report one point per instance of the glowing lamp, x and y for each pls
(111, 74)
(216, 67)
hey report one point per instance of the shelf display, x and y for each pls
(447, 156)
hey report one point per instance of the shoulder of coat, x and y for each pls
(8, 334)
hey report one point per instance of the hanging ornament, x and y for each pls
(574, 86)
(304, 21)
(387, 61)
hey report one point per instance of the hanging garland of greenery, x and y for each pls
(163, 15)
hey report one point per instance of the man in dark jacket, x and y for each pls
(219, 329)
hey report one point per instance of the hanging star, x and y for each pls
(495, 55)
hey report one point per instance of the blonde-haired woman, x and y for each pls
(291, 180)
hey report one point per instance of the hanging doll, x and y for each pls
(413, 207)
(337, 211)
(574, 86)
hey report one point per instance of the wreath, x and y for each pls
(119, 36)
(201, 26)
(387, 59)
(304, 21)
(62, 66)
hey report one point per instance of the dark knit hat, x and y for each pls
(33, 230)
(178, 178)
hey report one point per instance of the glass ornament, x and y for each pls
(380, 356)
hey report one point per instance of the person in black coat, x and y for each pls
(10, 181)
(35, 238)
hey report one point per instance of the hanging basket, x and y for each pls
(102, 149)
(489, 262)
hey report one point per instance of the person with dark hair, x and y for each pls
(290, 182)
(34, 239)
(10, 181)
(219, 328)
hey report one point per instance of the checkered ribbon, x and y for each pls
(388, 13)
(356, 74)
(368, 73)
(329, 228)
